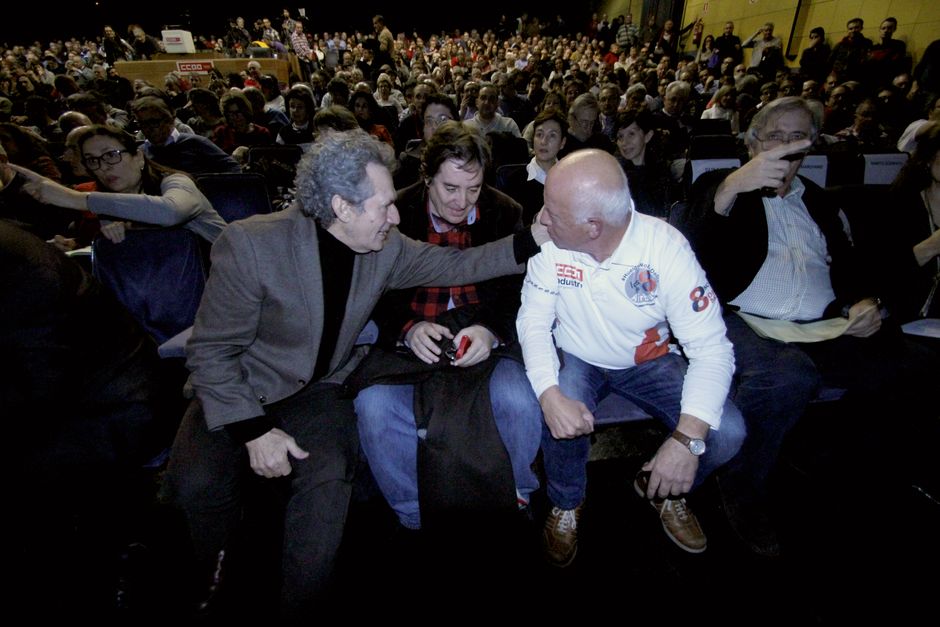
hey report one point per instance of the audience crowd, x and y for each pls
(490, 125)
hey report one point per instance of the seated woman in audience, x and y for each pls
(722, 107)
(238, 129)
(300, 107)
(387, 99)
(367, 111)
(651, 186)
(208, 118)
(527, 186)
(708, 56)
(915, 194)
(129, 187)
(553, 101)
(272, 119)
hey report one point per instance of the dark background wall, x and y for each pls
(25, 21)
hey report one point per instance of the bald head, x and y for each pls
(587, 203)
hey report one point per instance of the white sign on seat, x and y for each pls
(815, 168)
(701, 166)
(883, 169)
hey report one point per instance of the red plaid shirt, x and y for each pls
(430, 302)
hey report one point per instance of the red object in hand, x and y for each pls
(462, 348)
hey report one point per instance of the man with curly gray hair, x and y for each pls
(275, 338)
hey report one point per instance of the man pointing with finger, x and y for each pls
(610, 289)
(774, 248)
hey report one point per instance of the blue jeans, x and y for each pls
(390, 440)
(654, 386)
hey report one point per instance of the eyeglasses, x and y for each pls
(776, 137)
(437, 120)
(112, 157)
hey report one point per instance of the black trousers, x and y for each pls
(207, 471)
(887, 379)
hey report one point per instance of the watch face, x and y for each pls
(697, 447)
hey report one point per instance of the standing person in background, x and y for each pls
(729, 44)
(145, 46)
(238, 37)
(114, 48)
(767, 45)
(287, 25)
(383, 55)
(888, 57)
(301, 48)
(849, 56)
(814, 60)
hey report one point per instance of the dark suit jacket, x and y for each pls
(258, 329)
(499, 297)
(732, 249)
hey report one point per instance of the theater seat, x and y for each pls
(157, 274)
(236, 196)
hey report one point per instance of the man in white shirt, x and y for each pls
(767, 40)
(487, 119)
(610, 289)
(774, 246)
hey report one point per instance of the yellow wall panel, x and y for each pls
(907, 11)
(918, 20)
(819, 13)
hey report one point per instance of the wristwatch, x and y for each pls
(695, 446)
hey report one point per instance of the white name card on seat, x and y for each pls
(883, 169)
(701, 166)
(815, 168)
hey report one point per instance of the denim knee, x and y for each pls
(725, 442)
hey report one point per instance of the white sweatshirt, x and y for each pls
(618, 313)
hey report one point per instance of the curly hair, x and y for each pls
(335, 165)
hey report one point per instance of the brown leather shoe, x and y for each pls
(560, 536)
(679, 523)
